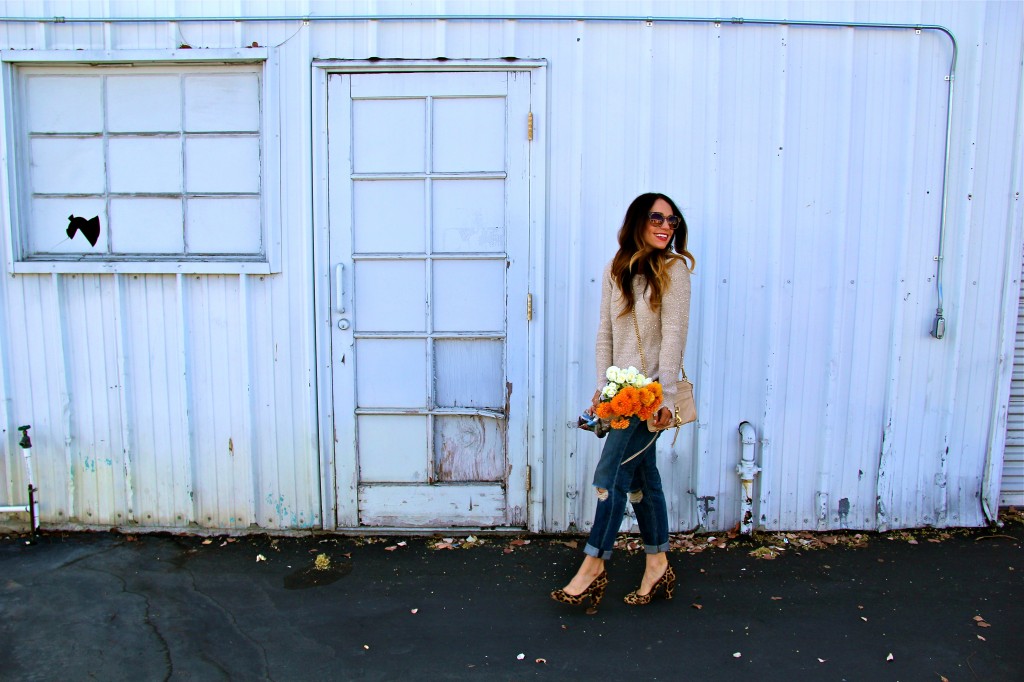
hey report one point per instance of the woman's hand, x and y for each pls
(593, 402)
(664, 418)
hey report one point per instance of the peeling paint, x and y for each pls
(704, 510)
(470, 449)
(844, 510)
(279, 506)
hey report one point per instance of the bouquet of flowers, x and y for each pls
(628, 393)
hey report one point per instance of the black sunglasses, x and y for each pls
(657, 219)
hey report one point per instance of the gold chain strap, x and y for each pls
(639, 345)
(643, 367)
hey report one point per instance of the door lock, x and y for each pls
(344, 324)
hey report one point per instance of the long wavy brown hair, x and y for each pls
(635, 257)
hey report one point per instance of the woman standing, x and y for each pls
(645, 301)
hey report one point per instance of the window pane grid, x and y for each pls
(143, 128)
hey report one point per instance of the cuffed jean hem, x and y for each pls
(590, 550)
(657, 549)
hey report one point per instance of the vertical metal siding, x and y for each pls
(156, 402)
(807, 161)
(1012, 484)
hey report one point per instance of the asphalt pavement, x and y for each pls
(917, 605)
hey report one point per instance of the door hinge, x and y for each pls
(529, 127)
(529, 479)
(529, 307)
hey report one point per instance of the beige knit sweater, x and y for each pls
(663, 333)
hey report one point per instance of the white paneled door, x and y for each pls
(429, 234)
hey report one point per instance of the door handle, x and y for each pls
(339, 287)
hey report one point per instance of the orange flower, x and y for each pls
(631, 401)
(626, 402)
(655, 388)
(620, 403)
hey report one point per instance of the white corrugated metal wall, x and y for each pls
(1012, 486)
(808, 162)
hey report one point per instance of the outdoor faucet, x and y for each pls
(25, 441)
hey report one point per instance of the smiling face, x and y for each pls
(658, 236)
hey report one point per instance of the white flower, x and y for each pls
(609, 391)
(611, 373)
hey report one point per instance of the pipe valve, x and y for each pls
(25, 441)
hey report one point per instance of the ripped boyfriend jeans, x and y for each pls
(636, 481)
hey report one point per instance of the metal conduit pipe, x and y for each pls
(938, 325)
(747, 471)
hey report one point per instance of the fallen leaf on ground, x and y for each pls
(697, 606)
(402, 543)
(541, 660)
(864, 619)
(764, 553)
(983, 624)
(520, 657)
(776, 598)
(366, 646)
(912, 541)
(822, 660)
(260, 557)
(207, 542)
(889, 657)
(737, 655)
(392, 548)
(414, 611)
(982, 638)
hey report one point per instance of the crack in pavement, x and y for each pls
(234, 624)
(152, 626)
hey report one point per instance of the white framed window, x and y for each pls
(158, 164)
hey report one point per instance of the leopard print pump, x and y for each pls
(668, 581)
(595, 591)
